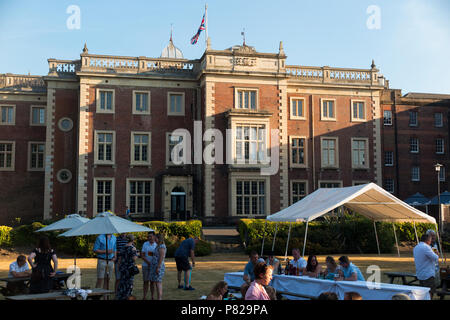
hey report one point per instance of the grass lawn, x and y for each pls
(211, 269)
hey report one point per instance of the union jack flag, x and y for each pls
(194, 39)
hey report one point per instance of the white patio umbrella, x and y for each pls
(105, 223)
(69, 222)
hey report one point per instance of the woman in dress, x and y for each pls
(42, 271)
(158, 267)
(126, 260)
(263, 276)
(313, 268)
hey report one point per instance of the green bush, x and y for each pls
(5, 236)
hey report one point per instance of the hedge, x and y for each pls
(26, 236)
(348, 234)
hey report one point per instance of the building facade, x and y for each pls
(97, 134)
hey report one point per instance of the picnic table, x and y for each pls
(96, 294)
(26, 280)
(402, 275)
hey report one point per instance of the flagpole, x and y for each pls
(206, 23)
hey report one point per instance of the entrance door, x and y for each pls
(178, 204)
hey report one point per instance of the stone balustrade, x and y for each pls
(18, 81)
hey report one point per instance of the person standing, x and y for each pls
(425, 260)
(147, 255)
(182, 254)
(158, 267)
(126, 260)
(127, 214)
(121, 242)
(103, 270)
(42, 271)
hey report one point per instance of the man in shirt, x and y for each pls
(104, 270)
(147, 255)
(121, 241)
(297, 263)
(249, 274)
(425, 260)
(182, 254)
(18, 269)
(350, 272)
(435, 248)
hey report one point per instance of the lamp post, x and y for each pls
(438, 166)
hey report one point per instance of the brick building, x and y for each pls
(95, 134)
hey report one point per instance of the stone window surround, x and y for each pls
(236, 97)
(113, 149)
(291, 193)
(149, 149)
(29, 168)
(353, 119)
(61, 127)
(183, 103)
(322, 118)
(31, 115)
(135, 111)
(97, 99)
(367, 156)
(13, 155)
(152, 191)
(297, 165)
(168, 162)
(336, 154)
(13, 115)
(291, 116)
(96, 179)
(247, 176)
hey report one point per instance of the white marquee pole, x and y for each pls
(304, 242)
(396, 242)
(376, 237)
(415, 231)
(443, 259)
(264, 237)
(287, 243)
(275, 236)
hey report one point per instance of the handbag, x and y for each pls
(133, 270)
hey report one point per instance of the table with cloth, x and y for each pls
(313, 287)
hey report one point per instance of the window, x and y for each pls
(297, 108)
(141, 102)
(328, 110)
(440, 146)
(7, 155)
(415, 174)
(389, 185)
(413, 122)
(64, 176)
(65, 124)
(358, 111)
(298, 190)
(250, 197)
(442, 174)
(330, 184)
(389, 158)
(329, 152)
(172, 141)
(414, 145)
(250, 143)
(105, 101)
(37, 116)
(387, 117)
(246, 99)
(359, 153)
(103, 195)
(36, 156)
(438, 120)
(140, 196)
(105, 147)
(140, 148)
(298, 151)
(8, 115)
(175, 104)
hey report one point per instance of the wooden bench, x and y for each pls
(26, 281)
(96, 294)
(403, 275)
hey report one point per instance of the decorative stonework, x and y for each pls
(49, 154)
(284, 159)
(83, 148)
(209, 180)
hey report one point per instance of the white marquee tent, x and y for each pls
(369, 200)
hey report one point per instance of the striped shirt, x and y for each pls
(120, 243)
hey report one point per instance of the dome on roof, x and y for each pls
(171, 51)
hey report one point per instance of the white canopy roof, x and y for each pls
(369, 200)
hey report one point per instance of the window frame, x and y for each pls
(45, 115)
(133, 162)
(330, 181)
(183, 103)
(442, 120)
(236, 98)
(291, 186)
(152, 192)
(416, 124)
(384, 118)
(137, 112)
(443, 146)
(336, 153)
(247, 176)
(13, 155)
(392, 158)
(410, 145)
(305, 152)
(96, 179)
(413, 174)
(366, 153)
(442, 173)
(385, 185)
(29, 168)
(322, 118)
(291, 115)
(168, 161)
(13, 106)
(96, 146)
(353, 119)
(98, 101)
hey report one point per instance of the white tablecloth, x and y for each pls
(314, 287)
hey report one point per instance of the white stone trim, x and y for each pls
(83, 148)
(49, 154)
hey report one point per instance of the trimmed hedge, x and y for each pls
(348, 234)
(26, 236)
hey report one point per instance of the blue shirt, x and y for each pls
(352, 269)
(184, 250)
(249, 269)
(100, 244)
(425, 260)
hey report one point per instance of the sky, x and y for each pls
(409, 40)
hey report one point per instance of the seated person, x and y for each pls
(400, 296)
(249, 276)
(351, 295)
(332, 269)
(328, 296)
(313, 268)
(18, 269)
(218, 291)
(257, 289)
(350, 272)
(272, 261)
(296, 265)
